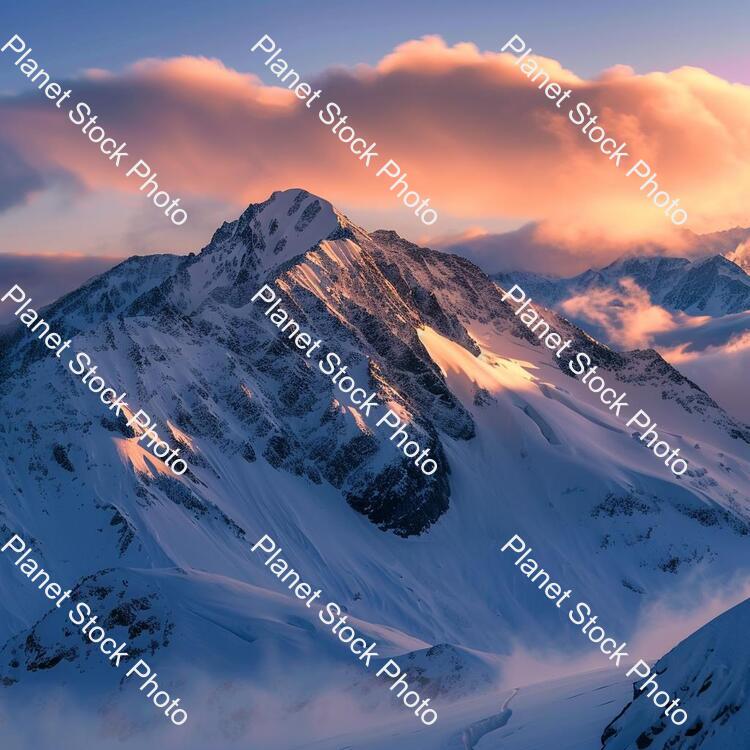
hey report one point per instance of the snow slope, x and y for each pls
(710, 673)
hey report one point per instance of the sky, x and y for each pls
(425, 81)
(587, 34)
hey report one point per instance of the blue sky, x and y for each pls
(586, 36)
(508, 165)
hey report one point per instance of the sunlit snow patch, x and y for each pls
(181, 436)
(466, 373)
(140, 459)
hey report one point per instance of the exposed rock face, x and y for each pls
(248, 390)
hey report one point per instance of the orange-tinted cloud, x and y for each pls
(741, 256)
(626, 315)
(474, 134)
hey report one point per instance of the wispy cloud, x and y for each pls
(627, 315)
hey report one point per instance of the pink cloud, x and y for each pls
(627, 316)
(473, 133)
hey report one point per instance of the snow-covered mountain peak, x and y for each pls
(266, 237)
(276, 447)
(285, 225)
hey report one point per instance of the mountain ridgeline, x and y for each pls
(710, 286)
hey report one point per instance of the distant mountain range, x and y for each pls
(273, 448)
(711, 286)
